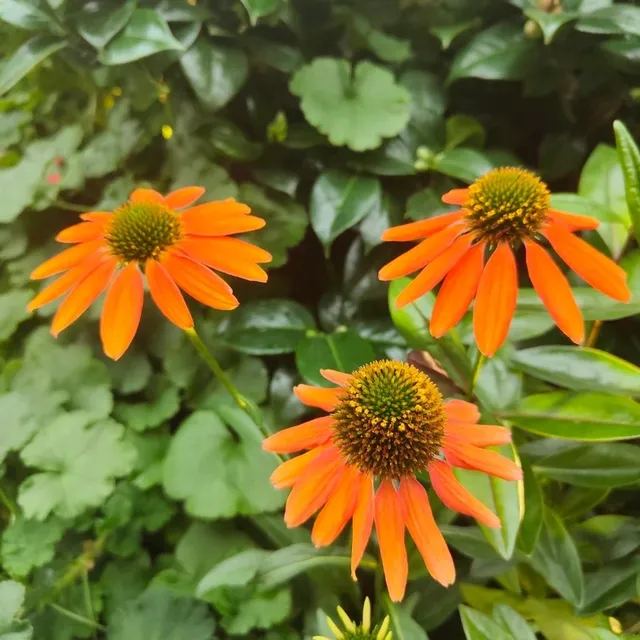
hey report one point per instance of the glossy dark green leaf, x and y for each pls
(469, 541)
(550, 23)
(533, 512)
(24, 14)
(267, 327)
(260, 8)
(629, 158)
(619, 18)
(594, 465)
(146, 33)
(464, 164)
(479, 626)
(448, 33)
(578, 416)
(580, 369)
(26, 57)
(461, 128)
(216, 72)
(97, 23)
(556, 558)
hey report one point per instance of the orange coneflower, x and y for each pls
(387, 423)
(503, 208)
(173, 249)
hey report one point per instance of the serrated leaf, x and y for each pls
(629, 158)
(13, 311)
(11, 600)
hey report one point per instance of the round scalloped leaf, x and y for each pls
(356, 107)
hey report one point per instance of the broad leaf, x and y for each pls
(464, 164)
(260, 8)
(11, 602)
(24, 14)
(513, 622)
(550, 23)
(479, 626)
(98, 22)
(611, 586)
(13, 311)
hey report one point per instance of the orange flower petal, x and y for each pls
(314, 487)
(593, 267)
(456, 497)
(338, 510)
(337, 377)
(146, 195)
(66, 259)
(199, 282)
(479, 435)
(483, 460)
(425, 532)
(319, 397)
(181, 198)
(81, 232)
(237, 248)
(67, 281)
(303, 436)
(362, 522)
(421, 254)
(421, 228)
(496, 300)
(166, 294)
(390, 528)
(554, 291)
(457, 291)
(204, 250)
(456, 196)
(461, 410)
(431, 275)
(573, 221)
(97, 216)
(83, 295)
(203, 219)
(288, 473)
(122, 311)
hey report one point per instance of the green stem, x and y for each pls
(77, 617)
(11, 506)
(86, 591)
(80, 565)
(480, 358)
(70, 206)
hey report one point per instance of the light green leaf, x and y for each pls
(339, 201)
(146, 33)
(594, 417)
(580, 369)
(236, 571)
(78, 465)
(464, 164)
(217, 475)
(403, 626)
(98, 23)
(161, 402)
(556, 558)
(599, 466)
(13, 310)
(629, 158)
(550, 23)
(260, 8)
(11, 601)
(513, 622)
(193, 169)
(216, 72)
(479, 626)
(574, 203)
(262, 610)
(353, 107)
(24, 14)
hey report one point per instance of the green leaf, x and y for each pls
(353, 107)
(580, 369)
(24, 14)
(403, 626)
(343, 351)
(159, 614)
(619, 18)
(611, 586)
(146, 33)
(161, 402)
(236, 571)
(339, 201)
(550, 23)
(26, 57)
(216, 72)
(497, 53)
(386, 47)
(27, 544)
(447, 34)
(573, 203)
(556, 558)
(262, 610)
(513, 622)
(13, 310)
(594, 417)
(533, 512)
(460, 128)
(11, 601)
(217, 475)
(388, 214)
(286, 221)
(599, 466)
(629, 159)
(98, 22)
(78, 464)
(479, 626)
(260, 8)
(268, 327)
(465, 164)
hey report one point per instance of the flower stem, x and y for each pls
(480, 358)
(11, 506)
(77, 617)
(70, 206)
(593, 334)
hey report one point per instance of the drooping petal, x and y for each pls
(66, 259)
(457, 291)
(554, 291)
(479, 435)
(421, 228)
(337, 377)
(425, 532)
(390, 523)
(318, 397)
(97, 216)
(437, 269)
(288, 473)
(461, 410)
(362, 522)
(203, 250)
(122, 311)
(199, 282)
(146, 195)
(83, 295)
(456, 196)
(484, 460)
(81, 232)
(166, 294)
(303, 436)
(573, 221)
(314, 487)
(185, 197)
(496, 300)
(338, 510)
(592, 266)
(421, 254)
(456, 497)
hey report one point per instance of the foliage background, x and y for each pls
(135, 503)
